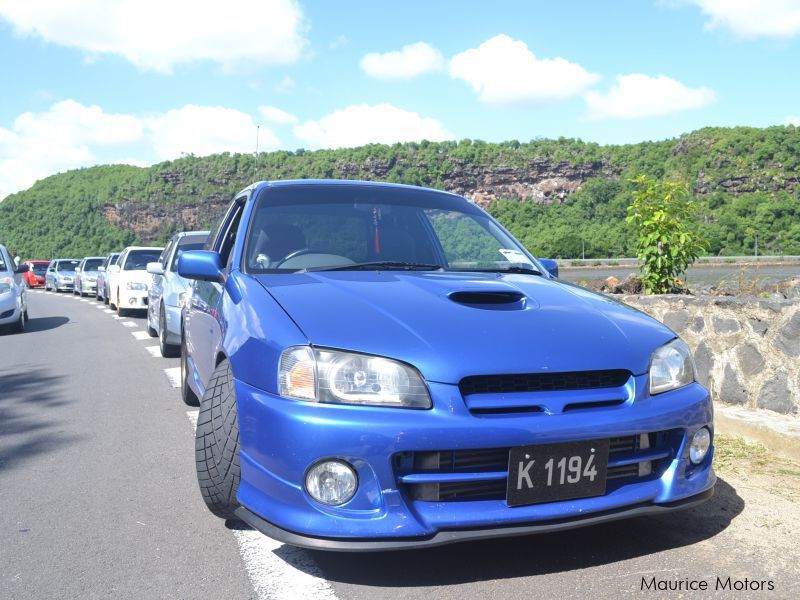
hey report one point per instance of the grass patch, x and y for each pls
(733, 454)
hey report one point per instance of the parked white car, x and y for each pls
(129, 280)
(168, 291)
(13, 299)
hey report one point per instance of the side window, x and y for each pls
(166, 253)
(228, 240)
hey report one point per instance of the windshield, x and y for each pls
(189, 242)
(318, 227)
(93, 264)
(67, 265)
(39, 269)
(137, 259)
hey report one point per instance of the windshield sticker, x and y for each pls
(514, 256)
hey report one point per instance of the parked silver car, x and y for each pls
(101, 292)
(168, 291)
(60, 274)
(13, 298)
(86, 275)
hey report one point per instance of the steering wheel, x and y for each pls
(292, 255)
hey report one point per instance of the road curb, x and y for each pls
(779, 433)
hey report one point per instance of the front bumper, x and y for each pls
(133, 299)
(64, 285)
(452, 536)
(383, 513)
(88, 287)
(9, 309)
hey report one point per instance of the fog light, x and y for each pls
(701, 441)
(131, 300)
(331, 482)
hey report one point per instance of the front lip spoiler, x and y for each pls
(461, 535)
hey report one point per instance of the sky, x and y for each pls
(86, 82)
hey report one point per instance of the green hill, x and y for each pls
(558, 196)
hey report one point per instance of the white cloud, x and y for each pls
(364, 124)
(792, 120)
(157, 35)
(61, 138)
(408, 62)
(636, 96)
(505, 71)
(273, 114)
(285, 85)
(203, 130)
(70, 135)
(753, 18)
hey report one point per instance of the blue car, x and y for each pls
(381, 366)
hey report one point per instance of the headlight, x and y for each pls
(5, 284)
(671, 367)
(133, 285)
(332, 376)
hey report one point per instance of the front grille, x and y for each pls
(495, 460)
(543, 382)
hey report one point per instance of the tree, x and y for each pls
(663, 216)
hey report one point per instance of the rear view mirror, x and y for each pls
(550, 266)
(202, 265)
(155, 268)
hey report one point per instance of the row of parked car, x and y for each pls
(137, 278)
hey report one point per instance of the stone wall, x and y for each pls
(747, 350)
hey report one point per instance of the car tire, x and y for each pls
(187, 394)
(167, 350)
(19, 326)
(217, 444)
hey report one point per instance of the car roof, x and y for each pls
(94, 257)
(342, 182)
(144, 248)
(181, 234)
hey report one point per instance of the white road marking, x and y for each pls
(174, 376)
(100, 307)
(117, 317)
(84, 300)
(154, 351)
(128, 323)
(140, 335)
(108, 311)
(285, 575)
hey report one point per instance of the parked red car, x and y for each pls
(35, 275)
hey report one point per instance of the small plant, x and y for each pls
(667, 244)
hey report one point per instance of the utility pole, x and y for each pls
(255, 160)
(756, 245)
(583, 250)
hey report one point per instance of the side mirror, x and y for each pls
(202, 265)
(77, 269)
(101, 269)
(22, 269)
(550, 266)
(113, 269)
(155, 268)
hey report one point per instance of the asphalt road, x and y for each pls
(98, 498)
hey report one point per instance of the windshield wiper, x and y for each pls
(377, 265)
(511, 269)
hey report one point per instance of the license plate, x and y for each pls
(551, 472)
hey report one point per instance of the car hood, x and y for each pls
(141, 276)
(413, 317)
(91, 273)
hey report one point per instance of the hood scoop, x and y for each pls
(497, 300)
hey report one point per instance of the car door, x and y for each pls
(205, 323)
(49, 275)
(156, 290)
